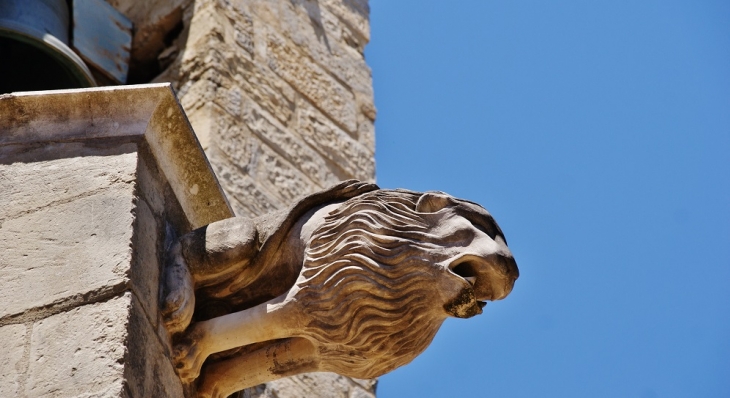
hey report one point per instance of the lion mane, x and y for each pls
(376, 251)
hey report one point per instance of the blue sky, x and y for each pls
(598, 135)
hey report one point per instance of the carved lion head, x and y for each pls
(386, 268)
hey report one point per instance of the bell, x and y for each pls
(34, 52)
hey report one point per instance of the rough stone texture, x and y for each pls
(147, 247)
(66, 231)
(334, 143)
(80, 352)
(106, 349)
(12, 366)
(149, 372)
(312, 81)
(315, 385)
(82, 239)
(83, 243)
(280, 84)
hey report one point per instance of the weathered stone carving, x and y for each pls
(353, 280)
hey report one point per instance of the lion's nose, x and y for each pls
(492, 277)
(503, 278)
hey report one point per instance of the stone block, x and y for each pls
(148, 370)
(147, 247)
(231, 73)
(80, 352)
(317, 32)
(207, 25)
(366, 104)
(366, 132)
(29, 186)
(150, 182)
(12, 365)
(66, 235)
(268, 163)
(233, 138)
(322, 385)
(313, 82)
(243, 34)
(247, 198)
(336, 145)
(199, 93)
(267, 90)
(286, 143)
(354, 14)
(279, 176)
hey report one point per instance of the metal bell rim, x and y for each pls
(51, 46)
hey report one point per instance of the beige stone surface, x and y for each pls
(80, 352)
(335, 144)
(313, 82)
(320, 384)
(148, 370)
(146, 246)
(12, 365)
(354, 14)
(60, 180)
(150, 183)
(303, 58)
(290, 146)
(66, 229)
(177, 153)
(318, 32)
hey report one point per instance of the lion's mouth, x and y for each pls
(472, 281)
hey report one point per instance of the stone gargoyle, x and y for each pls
(353, 280)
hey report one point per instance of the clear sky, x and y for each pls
(598, 135)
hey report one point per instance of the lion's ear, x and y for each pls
(431, 202)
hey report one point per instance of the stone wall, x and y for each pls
(82, 245)
(281, 99)
(279, 95)
(50, 334)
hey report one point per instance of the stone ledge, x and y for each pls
(148, 112)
